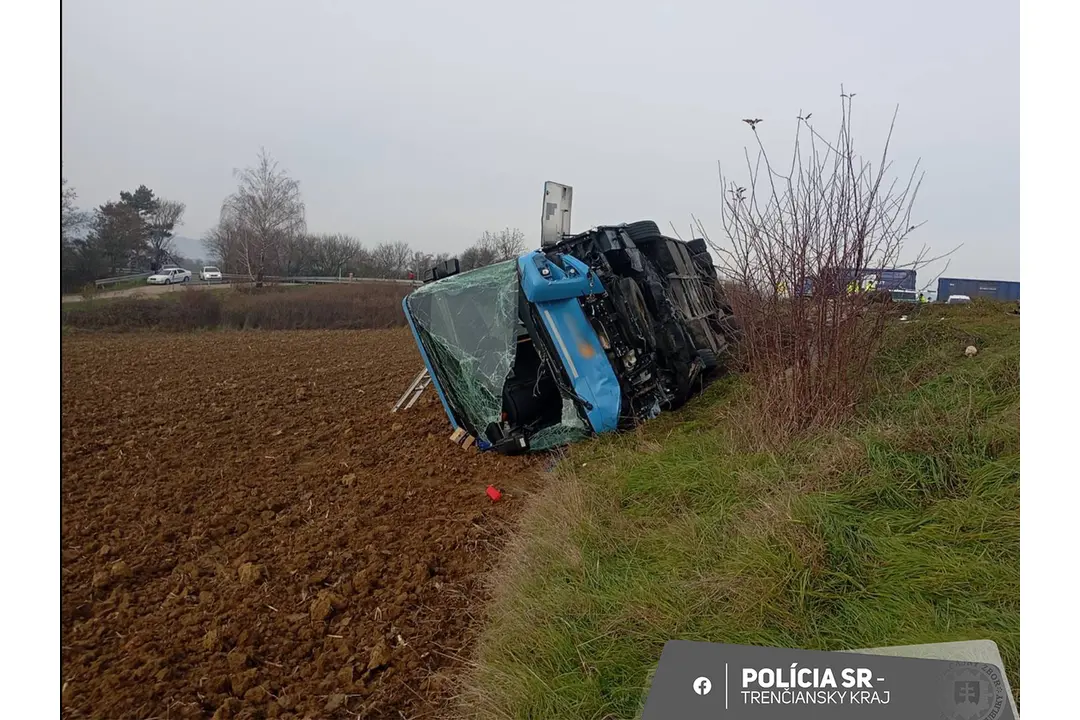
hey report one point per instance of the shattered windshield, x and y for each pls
(468, 324)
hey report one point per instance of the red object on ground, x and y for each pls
(493, 493)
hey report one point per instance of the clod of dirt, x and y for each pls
(345, 675)
(226, 709)
(336, 700)
(242, 682)
(249, 573)
(256, 694)
(971, 350)
(101, 579)
(324, 604)
(247, 636)
(380, 655)
(119, 570)
(212, 641)
(244, 557)
(238, 659)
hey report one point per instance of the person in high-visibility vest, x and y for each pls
(923, 298)
(781, 289)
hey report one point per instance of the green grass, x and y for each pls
(901, 527)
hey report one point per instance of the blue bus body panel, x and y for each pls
(896, 279)
(887, 279)
(427, 362)
(558, 284)
(555, 296)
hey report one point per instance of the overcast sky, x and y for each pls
(431, 122)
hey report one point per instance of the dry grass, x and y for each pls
(353, 307)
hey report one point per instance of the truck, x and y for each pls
(1003, 290)
(593, 332)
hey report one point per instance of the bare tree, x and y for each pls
(493, 247)
(420, 263)
(72, 220)
(480, 254)
(507, 243)
(266, 211)
(331, 254)
(391, 259)
(165, 216)
(798, 259)
(80, 259)
(222, 244)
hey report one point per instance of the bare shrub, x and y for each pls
(799, 242)
(185, 310)
(193, 310)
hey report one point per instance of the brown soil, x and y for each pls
(248, 531)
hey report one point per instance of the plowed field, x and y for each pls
(249, 532)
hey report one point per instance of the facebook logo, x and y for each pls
(702, 686)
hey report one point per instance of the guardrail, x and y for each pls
(120, 278)
(232, 277)
(313, 280)
(319, 280)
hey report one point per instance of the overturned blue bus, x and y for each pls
(595, 332)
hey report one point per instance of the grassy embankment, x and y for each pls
(900, 527)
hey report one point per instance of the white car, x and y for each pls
(210, 273)
(169, 276)
(958, 299)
